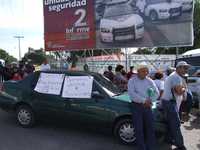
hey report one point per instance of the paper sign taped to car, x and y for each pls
(77, 87)
(49, 83)
(93, 24)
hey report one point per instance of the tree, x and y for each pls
(36, 56)
(5, 56)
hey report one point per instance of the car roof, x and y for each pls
(75, 73)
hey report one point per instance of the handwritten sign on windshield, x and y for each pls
(77, 87)
(49, 83)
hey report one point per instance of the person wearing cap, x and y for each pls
(141, 90)
(174, 92)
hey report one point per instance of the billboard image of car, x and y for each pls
(121, 23)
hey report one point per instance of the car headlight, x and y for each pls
(105, 30)
(139, 26)
(163, 10)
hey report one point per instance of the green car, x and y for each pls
(31, 98)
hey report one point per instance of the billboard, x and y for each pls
(93, 24)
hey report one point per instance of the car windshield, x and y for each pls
(107, 85)
(118, 10)
(155, 1)
(192, 70)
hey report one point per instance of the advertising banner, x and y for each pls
(93, 24)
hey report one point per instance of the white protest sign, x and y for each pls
(77, 87)
(49, 83)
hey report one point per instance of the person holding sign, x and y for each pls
(142, 91)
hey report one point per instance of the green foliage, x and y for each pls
(143, 51)
(35, 56)
(5, 56)
(197, 24)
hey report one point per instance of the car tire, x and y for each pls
(153, 15)
(25, 116)
(124, 131)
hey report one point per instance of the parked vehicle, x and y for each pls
(194, 86)
(121, 22)
(107, 107)
(159, 9)
(187, 5)
(192, 57)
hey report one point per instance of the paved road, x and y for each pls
(59, 136)
(56, 136)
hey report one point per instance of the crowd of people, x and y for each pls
(16, 71)
(171, 91)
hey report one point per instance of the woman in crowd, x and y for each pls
(119, 79)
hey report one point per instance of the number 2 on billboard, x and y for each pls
(80, 22)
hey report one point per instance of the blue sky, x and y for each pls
(21, 18)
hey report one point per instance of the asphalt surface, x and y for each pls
(59, 135)
(50, 135)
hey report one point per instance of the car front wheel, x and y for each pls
(25, 116)
(124, 131)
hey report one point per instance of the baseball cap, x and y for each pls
(182, 63)
(142, 65)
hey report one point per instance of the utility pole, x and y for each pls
(19, 37)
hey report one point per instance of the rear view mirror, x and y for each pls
(97, 95)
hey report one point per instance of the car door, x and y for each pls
(89, 110)
(48, 104)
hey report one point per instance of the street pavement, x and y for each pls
(51, 135)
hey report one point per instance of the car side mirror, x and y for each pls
(97, 95)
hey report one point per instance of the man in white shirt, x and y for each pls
(142, 91)
(45, 66)
(174, 93)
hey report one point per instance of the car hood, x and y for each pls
(125, 97)
(121, 21)
(166, 5)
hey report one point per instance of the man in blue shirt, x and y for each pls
(142, 90)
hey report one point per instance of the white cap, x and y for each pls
(142, 65)
(182, 63)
